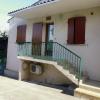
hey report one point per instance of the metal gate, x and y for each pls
(2, 62)
(3, 54)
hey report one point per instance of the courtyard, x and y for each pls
(11, 89)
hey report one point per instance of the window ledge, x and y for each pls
(77, 44)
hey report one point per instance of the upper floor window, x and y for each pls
(21, 33)
(76, 30)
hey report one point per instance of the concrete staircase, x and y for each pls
(65, 72)
(88, 91)
(62, 58)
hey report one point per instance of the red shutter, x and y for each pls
(70, 31)
(80, 30)
(37, 33)
(24, 33)
(21, 33)
(37, 38)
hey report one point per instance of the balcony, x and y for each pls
(52, 51)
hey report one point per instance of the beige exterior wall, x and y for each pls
(12, 62)
(90, 51)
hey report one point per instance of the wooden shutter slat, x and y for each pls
(80, 30)
(70, 31)
(37, 38)
(21, 33)
(18, 34)
(37, 33)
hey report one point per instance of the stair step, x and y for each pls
(90, 87)
(89, 94)
(67, 74)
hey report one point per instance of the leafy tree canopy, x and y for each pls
(3, 34)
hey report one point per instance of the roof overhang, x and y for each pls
(56, 7)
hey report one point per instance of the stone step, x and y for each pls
(89, 95)
(90, 87)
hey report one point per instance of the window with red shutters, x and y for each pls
(21, 34)
(76, 30)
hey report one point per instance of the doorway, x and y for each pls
(49, 39)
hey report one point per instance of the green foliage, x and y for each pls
(3, 34)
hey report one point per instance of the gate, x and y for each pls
(3, 54)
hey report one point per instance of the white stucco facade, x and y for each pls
(89, 52)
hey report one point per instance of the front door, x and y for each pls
(49, 39)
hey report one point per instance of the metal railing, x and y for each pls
(53, 51)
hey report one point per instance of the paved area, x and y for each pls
(11, 89)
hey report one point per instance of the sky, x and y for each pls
(10, 5)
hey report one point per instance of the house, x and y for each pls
(55, 41)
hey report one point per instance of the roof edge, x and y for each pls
(38, 3)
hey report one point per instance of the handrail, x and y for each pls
(68, 49)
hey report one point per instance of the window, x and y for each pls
(21, 34)
(76, 30)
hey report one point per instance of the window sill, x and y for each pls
(77, 44)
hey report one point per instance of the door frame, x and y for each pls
(46, 37)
